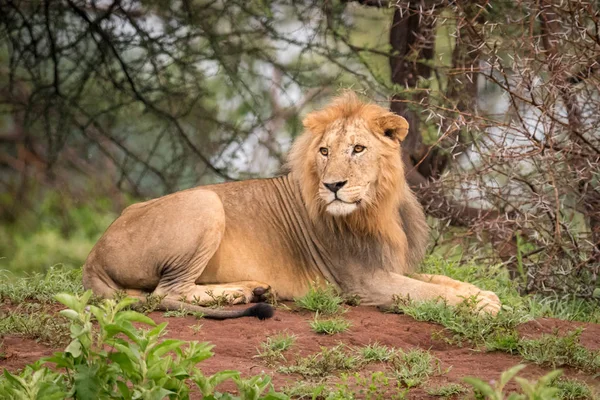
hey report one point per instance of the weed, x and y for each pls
(572, 389)
(322, 299)
(272, 349)
(414, 367)
(40, 287)
(35, 321)
(329, 326)
(376, 353)
(557, 351)
(533, 390)
(325, 362)
(448, 390)
(217, 301)
(196, 328)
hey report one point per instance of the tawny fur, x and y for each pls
(241, 239)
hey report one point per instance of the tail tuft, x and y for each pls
(261, 311)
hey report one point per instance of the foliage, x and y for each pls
(34, 321)
(448, 390)
(376, 352)
(323, 363)
(40, 287)
(414, 367)
(329, 326)
(272, 349)
(324, 299)
(138, 365)
(538, 390)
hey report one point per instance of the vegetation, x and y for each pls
(546, 387)
(273, 348)
(323, 299)
(139, 364)
(329, 326)
(448, 390)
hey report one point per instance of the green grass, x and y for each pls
(463, 327)
(323, 363)
(329, 326)
(572, 389)
(557, 351)
(40, 287)
(447, 390)
(272, 349)
(35, 321)
(376, 352)
(321, 299)
(414, 367)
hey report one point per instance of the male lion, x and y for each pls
(343, 214)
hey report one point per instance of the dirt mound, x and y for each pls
(236, 342)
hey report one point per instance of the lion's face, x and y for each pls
(347, 165)
(348, 159)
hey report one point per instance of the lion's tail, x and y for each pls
(103, 289)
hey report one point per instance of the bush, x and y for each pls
(139, 365)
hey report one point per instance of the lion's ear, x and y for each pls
(394, 126)
(314, 122)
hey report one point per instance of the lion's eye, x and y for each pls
(324, 151)
(359, 149)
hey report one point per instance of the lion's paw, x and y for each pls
(488, 302)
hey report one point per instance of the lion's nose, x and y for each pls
(335, 186)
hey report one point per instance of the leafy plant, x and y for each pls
(532, 390)
(139, 364)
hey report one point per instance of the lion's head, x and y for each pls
(348, 161)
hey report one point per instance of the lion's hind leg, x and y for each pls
(229, 293)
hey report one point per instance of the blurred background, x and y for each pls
(104, 103)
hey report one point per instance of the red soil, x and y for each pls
(236, 342)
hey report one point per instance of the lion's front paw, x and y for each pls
(487, 302)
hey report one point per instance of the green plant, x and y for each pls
(40, 287)
(113, 359)
(35, 321)
(323, 363)
(272, 349)
(376, 352)
(532, 390)
(329, 326)
(557, 351)
(322, 299)
(448, 390)
(414, 367)
(572, 389)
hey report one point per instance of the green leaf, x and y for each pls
(70, 314)
(166, 346)
(123, 389)
(134, 316)
(126, 302)
(480, 385)
(87, 382)
(70, 301)
(74, 348)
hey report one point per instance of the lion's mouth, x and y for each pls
(357, 202)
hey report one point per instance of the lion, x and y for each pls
(342, 214)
